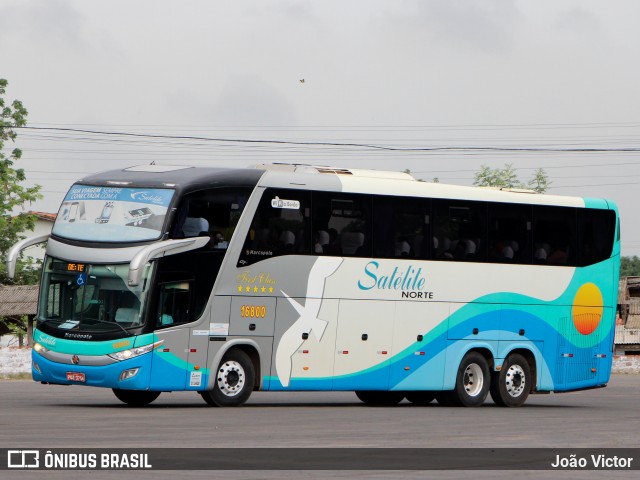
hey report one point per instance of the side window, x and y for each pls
(341, 224)
(597, 231)
(554, 235)
(509, 233)
(281, 226)
(459, 230)
(400, 227)
(53, 300)
(174, 304)
(214, 212)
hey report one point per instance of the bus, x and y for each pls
(301, 278)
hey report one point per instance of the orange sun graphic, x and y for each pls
(587, 308)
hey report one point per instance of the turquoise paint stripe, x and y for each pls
(83, 347)
(538, 309)
(172, 359)
(599, 203)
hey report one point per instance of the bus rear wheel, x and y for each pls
(380, 398)
(511, 385)
(135, 398)
(421, 398)
(233, 383)
(472, 381)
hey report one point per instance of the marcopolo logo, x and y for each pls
(23, 459)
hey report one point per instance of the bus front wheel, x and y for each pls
(472, 381)
(380, 398)
(135, 398)
(511, 385)
(233, 381)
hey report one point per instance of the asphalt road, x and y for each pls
(43, 416)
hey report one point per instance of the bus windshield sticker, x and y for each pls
(112, 214)
(288, 204)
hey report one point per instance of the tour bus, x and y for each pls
(296, 277)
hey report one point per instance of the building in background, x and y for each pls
(44, 224)
(628, 321)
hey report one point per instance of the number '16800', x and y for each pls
(253, 311)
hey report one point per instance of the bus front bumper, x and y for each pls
(131, 374)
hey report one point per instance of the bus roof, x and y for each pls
(382, 185)
(182, 178)
(186, 179)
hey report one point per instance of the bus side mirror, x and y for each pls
(160, 249)
(14, 252)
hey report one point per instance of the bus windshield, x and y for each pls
(91, 298)
(108, 214)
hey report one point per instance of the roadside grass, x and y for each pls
(16, 376)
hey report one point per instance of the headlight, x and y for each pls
(38, 347)
(134, 352)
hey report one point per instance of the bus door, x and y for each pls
(364, 345)
(170, 364)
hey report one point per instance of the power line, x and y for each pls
(340, 144)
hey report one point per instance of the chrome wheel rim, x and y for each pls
(231, 378)
(473, 380)
(515, 381)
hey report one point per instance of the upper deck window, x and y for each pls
(108, 214)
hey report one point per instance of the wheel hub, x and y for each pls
(231, 378)
(515, 381)
(473, 379)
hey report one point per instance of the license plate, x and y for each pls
(76, 377)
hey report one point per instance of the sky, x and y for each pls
(534, 82)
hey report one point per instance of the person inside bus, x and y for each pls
(507, 254)
(333, 247)
(287, 241)
(218, 240)
(558, 256)
(320, 241)
(470, 250)
(459, 250)
(402, 248)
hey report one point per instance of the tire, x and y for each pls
(135, 398)
(472, 381)
(510, 386)
(234, 381)
(421, 398)
(377, 398)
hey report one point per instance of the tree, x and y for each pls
(540, 181)
(507, 178)
(406, 170)
(14, 196)
(630, 266)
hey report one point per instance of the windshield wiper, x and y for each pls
(110, 323)
(42, 322)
